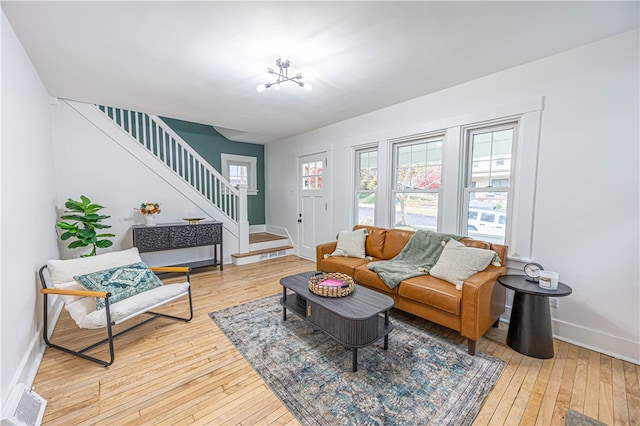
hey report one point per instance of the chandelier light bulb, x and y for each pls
(307, 87)
(260, 88)
(277, 87)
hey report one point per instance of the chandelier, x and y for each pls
(283, 75)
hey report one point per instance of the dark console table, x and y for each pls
(170, 236)
(530, 325)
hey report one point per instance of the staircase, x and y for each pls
(156, 145)
(263, 246)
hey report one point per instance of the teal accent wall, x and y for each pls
(210, 144)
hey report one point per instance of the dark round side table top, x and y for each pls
(520, 284)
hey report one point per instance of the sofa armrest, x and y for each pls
(483, 301)
(321, 250)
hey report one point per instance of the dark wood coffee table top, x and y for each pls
(361, 304)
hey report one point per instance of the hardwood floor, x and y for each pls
(168, 372)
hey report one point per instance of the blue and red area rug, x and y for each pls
(422, 379)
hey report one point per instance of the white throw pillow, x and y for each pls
(351, 243)
(458, 262)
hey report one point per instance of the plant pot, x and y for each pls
(149, 220)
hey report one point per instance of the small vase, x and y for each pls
(149, 220)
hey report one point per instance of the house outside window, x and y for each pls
(488, 183)
(417, 170)
(366, 185)
(311, 175)
(240, 169)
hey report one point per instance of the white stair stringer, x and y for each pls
(111, 129)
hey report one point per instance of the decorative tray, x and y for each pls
(331, 284)
(193, 220)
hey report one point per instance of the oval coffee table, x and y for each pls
(353, 320)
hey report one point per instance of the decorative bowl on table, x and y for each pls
(331, 284)
(193, 220)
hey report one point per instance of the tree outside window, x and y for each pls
(417, 173)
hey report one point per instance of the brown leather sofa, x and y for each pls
(471, 311)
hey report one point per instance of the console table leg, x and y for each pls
(355, 359)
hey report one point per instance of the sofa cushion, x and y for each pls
(363, 275)
(374, 245)
(457, 262)
(476, 243)
(432, 291)
(351, 243)
(395, 241)
(345, 265)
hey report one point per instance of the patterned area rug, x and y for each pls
(575, 418)
(422, 379)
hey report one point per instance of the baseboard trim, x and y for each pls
(614, 346)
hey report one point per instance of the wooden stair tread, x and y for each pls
(261, 237)
(255, 252)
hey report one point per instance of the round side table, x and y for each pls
(530, 325)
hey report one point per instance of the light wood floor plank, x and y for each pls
(171, 373)
(592, 398)
(551, 392)
(633, 392)
(605, 403)
(563, 400)
(620, 409)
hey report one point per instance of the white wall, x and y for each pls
(586, 218)
(90, 163)
(28, 212)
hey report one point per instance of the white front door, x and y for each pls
(313, 213)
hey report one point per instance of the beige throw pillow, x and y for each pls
(351, 243)
(458, 262)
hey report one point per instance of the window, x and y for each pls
(311, 175)
(491, 163)
(240, 169)
(417, 170)
(366, 185)
(489, 151)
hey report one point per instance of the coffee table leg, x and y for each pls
(355, 359)
(386, 336)
(284, 299)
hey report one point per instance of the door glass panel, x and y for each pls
(312, 175)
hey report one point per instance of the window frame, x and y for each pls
(435, 137)
(468, 185)
(356, 186)
(251, 164)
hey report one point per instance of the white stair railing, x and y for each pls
(171, 150)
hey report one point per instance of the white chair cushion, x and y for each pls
(84, 313)
(83, 309)
(62, 271)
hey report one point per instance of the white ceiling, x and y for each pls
(201, 61)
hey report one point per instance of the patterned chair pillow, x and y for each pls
(122, 282)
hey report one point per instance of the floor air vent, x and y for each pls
(24, 407)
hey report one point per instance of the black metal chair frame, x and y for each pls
(109, 324)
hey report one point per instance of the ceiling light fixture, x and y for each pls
(283, 75)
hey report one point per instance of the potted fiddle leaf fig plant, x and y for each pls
(81, 223)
